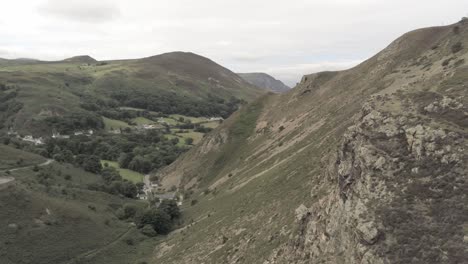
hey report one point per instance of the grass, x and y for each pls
(171, 121)
(127, 174)
(13, 158)
(112, 124)
(142, 121)
(194, 120)
(196, 136)
(211, 124)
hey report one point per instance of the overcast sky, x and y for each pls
(286, 39)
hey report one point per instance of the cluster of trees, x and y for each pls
(141, 152)
(172, 103)
(8, 105)
(114, 184)
(71, 122)
(158, 219)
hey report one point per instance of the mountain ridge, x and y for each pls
(324, 172)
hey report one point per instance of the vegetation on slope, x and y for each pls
(69, 95)
(55, 214)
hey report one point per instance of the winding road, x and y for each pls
(4, 180)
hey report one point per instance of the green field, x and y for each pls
(127, 174)
(194, 120)
(142, 121)
(211, 124)
(196, 136)
(112, 124)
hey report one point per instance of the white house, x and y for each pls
(57, 135)
(36, 141)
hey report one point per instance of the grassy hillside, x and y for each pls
(49, 215)
(12, 158)
(285, 180)
(73, 94)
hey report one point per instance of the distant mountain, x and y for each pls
(18, 61)
(81, 58)
(265, 81)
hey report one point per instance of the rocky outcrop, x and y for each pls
(397, 178)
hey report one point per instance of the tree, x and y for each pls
(158, 219)
(125, 159)
(110, 174)
(171, 208)
(128, 211)
(128, 189)
(67, 156)
(148, 230)
(140, 186)
(92, 164)
(140, 164)
(189, 141)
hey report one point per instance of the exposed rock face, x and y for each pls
(397, 179)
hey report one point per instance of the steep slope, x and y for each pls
(265, 81)
(366, 165)
(80, 88)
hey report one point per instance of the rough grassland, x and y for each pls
(13, 158)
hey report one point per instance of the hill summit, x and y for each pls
(81, 59)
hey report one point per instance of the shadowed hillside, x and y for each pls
(265, 81)
(356, 166)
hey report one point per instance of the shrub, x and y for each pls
(170, 207)
(189, 141)
(457, 47)
(148, 230)
(129, 241)
(128, 211)
(459, 62)
(446, 62)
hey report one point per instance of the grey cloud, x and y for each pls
(88, 11)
